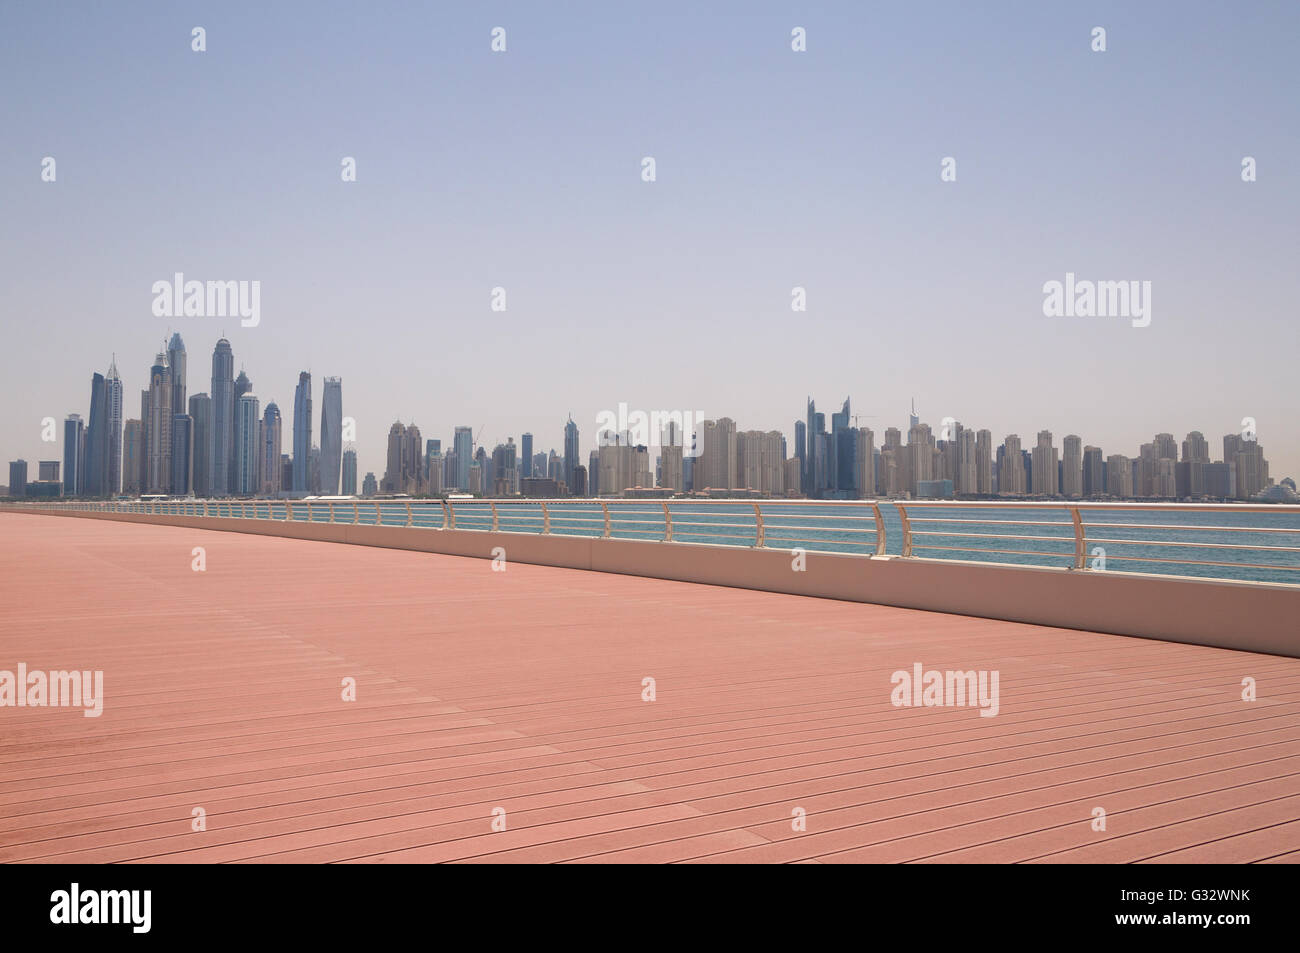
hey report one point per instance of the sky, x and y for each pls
(774, 169)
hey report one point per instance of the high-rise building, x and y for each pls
(113, 402)
(759, 464)
(176, 361)
(96, 478)
(966, 482)
(221, 442)
(1119, 477)
(201, 440)
(133, 458)
(272, 450)
(177, 370)
(302, 435)
(526, 455)
(984, 463)
(1094, 472)
(670, 468)
(331, 435)
(159, 477)
(1072, 467)
(48, 471)
(716, 467)
(505, 474)
(350, 473)
(182, 442)
(247, 452)
(1011, 473)
(1044, 475)
(463, 447)
(593, 471)
(73, 432)
(18, 478)
(1196, 454)
(570, 452)
(369, 487)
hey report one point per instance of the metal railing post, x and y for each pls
(356, 512)
(288, 511)
(880, 529)
(605, 508)
(331, 511)
(758, 520)
(496, 524)
(309, 514)
(443, 503)
(907, 529)
(668, 523)
(379, 514)
(546, 521)
(451, 514)
(410, 517)
(1080, 546)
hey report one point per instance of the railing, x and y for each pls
(1252, 542)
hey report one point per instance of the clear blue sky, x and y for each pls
(775, 169)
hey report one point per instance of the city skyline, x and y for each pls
(827, 461)
(675, 292)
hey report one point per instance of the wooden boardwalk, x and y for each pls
(522, 691)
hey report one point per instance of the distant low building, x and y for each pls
(934, 489)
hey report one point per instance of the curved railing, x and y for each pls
(1254, 542)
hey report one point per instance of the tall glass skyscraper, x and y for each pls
(159, 474)
(302, 434)
(526, 455)
(570, 452)
(201, 441)
(246, 448)
(222, 439)
(182, 476)
(113, 401)
(95, 482)
(331, 436)
(73, 428)
(463, 447)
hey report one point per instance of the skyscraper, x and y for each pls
(1011, 473)
(463, 446)
(1044, 456)
(331, 435)
(222, 432)
(73, 427)
(984, 463)
(302, 434)
(526, 455)
(717, 463)
(159, 478)
(113, 401)
(18, 478)
(96, 478)
(570, 452)
(1094, 472)
(1072, 467)
(350, 473)
(182, 441)
(246, 449)
(272, 439)
(133, 457)
(176, 361)
(201, 466)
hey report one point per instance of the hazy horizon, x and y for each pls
(775, 169)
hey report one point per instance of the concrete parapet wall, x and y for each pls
(1233, 615)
